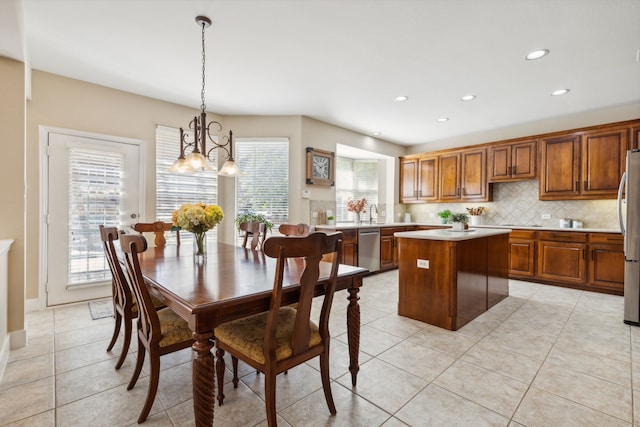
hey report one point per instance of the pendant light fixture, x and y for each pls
(198, 133)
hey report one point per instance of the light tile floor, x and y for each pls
(545, 356)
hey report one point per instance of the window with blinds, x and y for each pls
(95, 193)
(175, 189)
(356, 179)
(264, 188)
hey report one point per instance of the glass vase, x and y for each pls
(199, 248)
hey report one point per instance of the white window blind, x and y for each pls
(175, 189)
(264, 188)
(356, 179)
(95, 194)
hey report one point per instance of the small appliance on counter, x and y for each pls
(630, 226)
(407, 217)
(565, 223)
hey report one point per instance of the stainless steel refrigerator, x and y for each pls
(629, 216)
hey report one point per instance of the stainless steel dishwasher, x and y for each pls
(369, 248)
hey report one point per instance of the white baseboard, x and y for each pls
(31, 305)
(4, 356)
(18, 339)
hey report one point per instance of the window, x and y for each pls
(264, 188)
(174, 189)
(356, 179)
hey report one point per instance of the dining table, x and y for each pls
(231, 283)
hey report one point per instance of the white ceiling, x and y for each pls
(344, 61)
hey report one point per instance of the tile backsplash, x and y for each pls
(517, 203)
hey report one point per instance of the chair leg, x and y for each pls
(326, 381)
(116, 330)
(139, 363)
(154, 378)
(234, 362)
(126, 342)
(270, 398)
(220, 365)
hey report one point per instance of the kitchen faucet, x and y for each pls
(373, 205)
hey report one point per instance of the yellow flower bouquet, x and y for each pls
(197, 218)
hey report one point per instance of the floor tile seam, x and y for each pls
(591, 375)
(33, 380)
(469, 400)
(586, 405)
(391, 333)
(28, 416)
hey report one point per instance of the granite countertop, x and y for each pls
(451, 235)
(350, 225)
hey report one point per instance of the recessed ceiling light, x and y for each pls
(559, 92)
(443, 119)
(377, 134)
(468, 97)
(401, 98)
(537, 54)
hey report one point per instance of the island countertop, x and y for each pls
(451, 235)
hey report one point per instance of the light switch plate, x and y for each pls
(545, 216)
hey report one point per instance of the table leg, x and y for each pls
(203, 379)
(353, 329)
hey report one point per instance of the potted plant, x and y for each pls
(444, 216)
(331, 220)
(459, 221)
(251, 216)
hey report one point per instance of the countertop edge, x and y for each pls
(450, 235)
(348, 226)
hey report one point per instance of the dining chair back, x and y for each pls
(159, 332)
(294, 229)
(283, 337)
(125, 308)
(256, 230)
(159, 228)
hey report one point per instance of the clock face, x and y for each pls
(321, 167)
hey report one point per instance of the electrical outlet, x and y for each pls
(432, 214)
(545, 216)
(423, 263)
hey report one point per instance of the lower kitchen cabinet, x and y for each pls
(522, 250)
(606, 262)
(588, 261)
(349, 247)
(388, 247)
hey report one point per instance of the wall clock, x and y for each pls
(320, 167)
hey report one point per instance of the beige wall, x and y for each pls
(12, 184)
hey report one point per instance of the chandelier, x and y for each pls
(199, 132)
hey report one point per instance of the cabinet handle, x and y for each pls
(458, 192)
(415, 193)
(577, 186)
(513, 170)
(509, 171)
(464, 191)
(582, 251)
(420, 193)
(586, 185)
(593, 254)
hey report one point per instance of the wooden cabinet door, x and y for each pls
(386, 252)
(604, 155)
(562, 261)
(560, 169)
(408, 180)
(428, 178)
(523, 160)
(606, 267)
(349, 247)
(522, 257)
(449, 176)
(635, 137)
(473, 177)
(500, 163)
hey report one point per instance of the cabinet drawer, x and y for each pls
(611, 238)
(349, 236)
(522, 234)
(388, 231)
(563, 236)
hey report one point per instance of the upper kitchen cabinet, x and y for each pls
(635, 137)
(585, 165)
(419, 179)
(512, 161)
(463, 176)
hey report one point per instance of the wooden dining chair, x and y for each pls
(294, 229)
(125, 308)
(283, 337)
(159, 332)
(159, 228)
(256, 230)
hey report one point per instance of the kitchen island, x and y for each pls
(447, 278)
